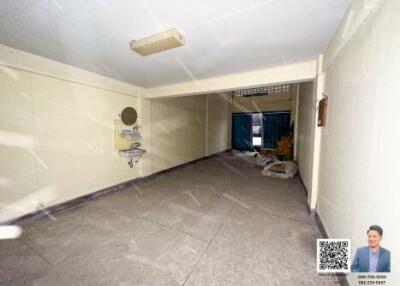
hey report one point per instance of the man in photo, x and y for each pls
(372, 258)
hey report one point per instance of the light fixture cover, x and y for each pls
(159, 42)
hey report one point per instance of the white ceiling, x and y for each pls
(222, 36)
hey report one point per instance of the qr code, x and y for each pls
(333, 255)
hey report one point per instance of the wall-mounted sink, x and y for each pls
(134, 153)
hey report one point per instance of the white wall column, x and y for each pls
(316, 143)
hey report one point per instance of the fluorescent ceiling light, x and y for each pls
(159, 42)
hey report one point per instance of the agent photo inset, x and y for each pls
(372, 258)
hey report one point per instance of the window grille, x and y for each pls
(264, 90)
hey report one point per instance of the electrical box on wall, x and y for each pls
(322, 111)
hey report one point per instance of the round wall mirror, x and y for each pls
(128, 116)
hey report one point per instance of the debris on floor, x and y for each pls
(262, 160)
(280, 169)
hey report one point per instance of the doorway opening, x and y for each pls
(256, 122)
(259, 130)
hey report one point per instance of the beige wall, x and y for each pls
(305, 132)
(17, 165)
(359, 167)
(218, 123)
(178, 130)
(71, 126)
(188, 128)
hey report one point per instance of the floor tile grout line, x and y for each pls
(140, 216)
(276, 215)
(202, 255)
(161, 202)
(208, 246)
(36, 252)
(172, 229)
(230, 211)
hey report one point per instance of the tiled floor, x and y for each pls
(215, 222)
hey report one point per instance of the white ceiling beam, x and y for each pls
(282, 74)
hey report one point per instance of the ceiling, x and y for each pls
(222, 36)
